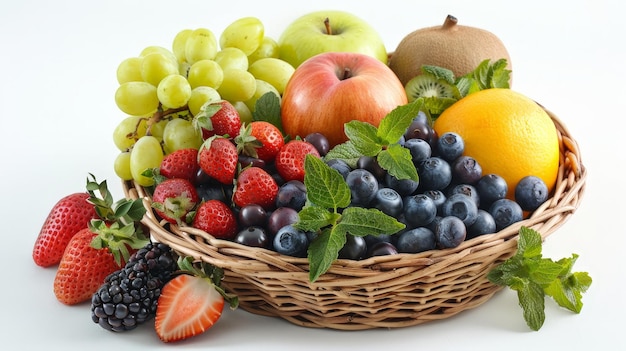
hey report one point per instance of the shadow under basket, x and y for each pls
(380, 292)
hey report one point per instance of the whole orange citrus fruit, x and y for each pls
(507, 133)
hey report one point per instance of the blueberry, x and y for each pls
(491, 187)
(465, 189)
(340, 166)
(252, 236)
(484, 224)
(531, 192)
(419, 210)
(371, 240)
(450, 145)
(382, 249)
(416, 240)
(363, 186)
(419, 148)
(388, 201)
(450, 232)
(462, 207)
(291, 241)
(435, 173)
(281, 217)
(355, 248)
(402, 186)
(292, 194)
(466, 170)
(438, 197)
(505, 212)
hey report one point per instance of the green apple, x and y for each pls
(327, 31)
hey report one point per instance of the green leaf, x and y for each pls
(394, 125)
(324, 250)
(504, 273)
(325, 186)
(439, 73)
(346, 152)
(529, 244)
(313, 218)
(436, 105)
(568, 288)
(204, 118)
(500, 75)
(267, 108)
(544, 271)
(364, 137)
(361, 221)
(397, 160)
(531, 299)
(467, 85)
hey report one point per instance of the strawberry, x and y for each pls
(218, 118)
(255, 186)
(67, 217)
(191, 302)
(260, 139)
(218, 158)
(174, 198)
(181, 163)
(289, 161)
(215, 218)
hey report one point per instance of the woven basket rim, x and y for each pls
(262, 272)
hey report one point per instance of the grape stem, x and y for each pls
(160, 114)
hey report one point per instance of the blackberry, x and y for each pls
(128, 296)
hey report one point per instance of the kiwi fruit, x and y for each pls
(427, 86)
(456, 47)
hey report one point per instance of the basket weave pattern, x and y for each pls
(380, 292)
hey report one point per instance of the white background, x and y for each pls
(58, 61)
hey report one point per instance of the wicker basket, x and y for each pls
(380, 292)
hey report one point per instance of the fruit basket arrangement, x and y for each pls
(386, 291)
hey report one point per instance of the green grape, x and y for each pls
(146, 154)
(275, 71)
(156, 66)
(245, 33)
(128, 131)
(200, 45)
(183, 68)
(231, 58)
(137, 98)
(129, 70)
(156, 129)
(121, 166)
(179, 43)
(238, 85)
(174, 91)
(245, 115)
(154, 49)
(262, 87)
(268, 48)
(180, 133)
(200, 96)
(205, 73)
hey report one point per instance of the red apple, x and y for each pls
(330, 89)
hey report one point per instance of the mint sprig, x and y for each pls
(364, 139)
(534, 277)
(329, 214)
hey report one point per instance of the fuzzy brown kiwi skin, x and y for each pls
(452, 46)
(426, 85)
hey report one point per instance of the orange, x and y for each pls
(507, 133)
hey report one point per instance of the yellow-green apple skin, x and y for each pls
(308, 36)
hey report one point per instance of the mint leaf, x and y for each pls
(529, 243)
(365, 221)
(346, 152)
(397, 160)
(267, 108)
(312, 218)
(467, 85)
(531, 299)
(324, 250)
(364, 137)
(439, 73)
(395, 124)
(567, 290)
(325, 186)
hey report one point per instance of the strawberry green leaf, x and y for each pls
(325, 186)
(398, 162)
(364, 136)
(395, 124)
(324, 250)
(203, 118)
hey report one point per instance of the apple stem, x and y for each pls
(450, 22)
(327, 24)
(347, 73)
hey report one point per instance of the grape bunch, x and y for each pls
(162, 90)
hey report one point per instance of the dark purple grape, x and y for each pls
(252, 215)
(420, 128)
(319, 141)
(253, 236)
(382, 249)
(355, 248)
(281, 217)
(370, 164)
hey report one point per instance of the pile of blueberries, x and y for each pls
(453, 201)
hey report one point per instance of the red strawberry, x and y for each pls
(290, 159)
(174, 198)
(182, 163)
(216, 218)
(261, 140)
(219, 118)
(218, 159)
(191, 303)
(82, 269)
(255, 186)
(68, 216)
